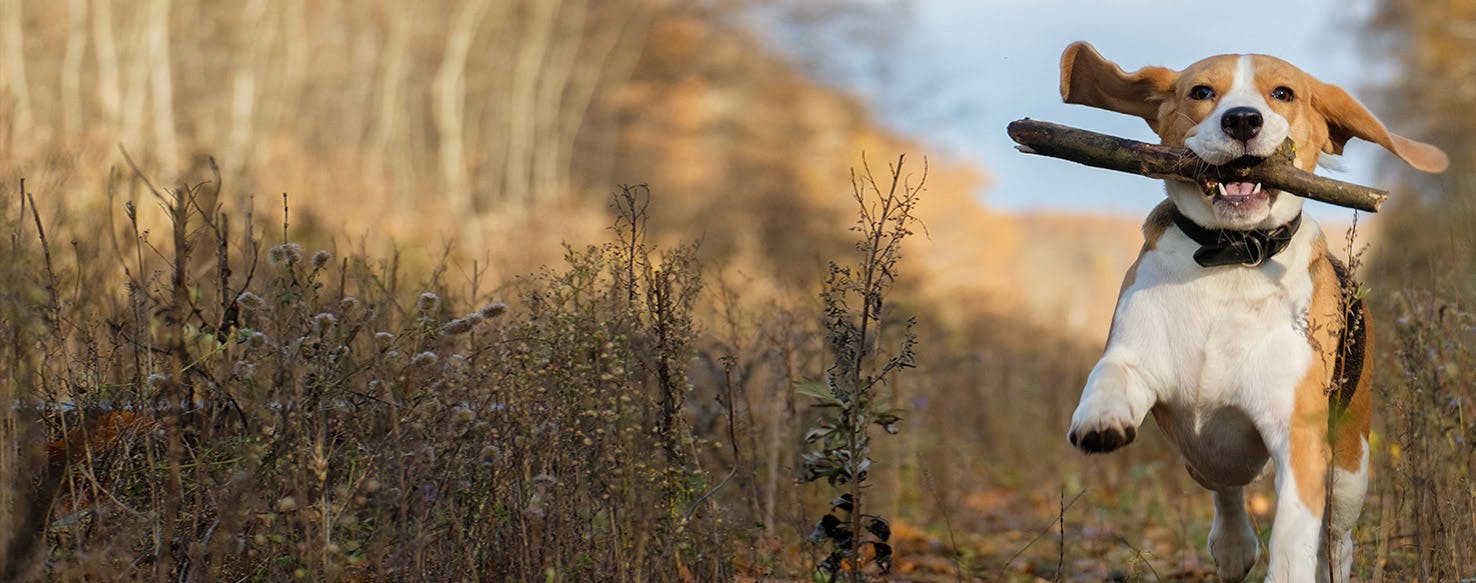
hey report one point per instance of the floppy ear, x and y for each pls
(1346, 119)
(1089, 79)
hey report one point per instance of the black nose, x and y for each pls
(1241, 123)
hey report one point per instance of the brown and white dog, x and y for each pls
(1234, 326)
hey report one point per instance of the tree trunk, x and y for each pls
(244, 92)
(388, 126)
(13, 80)
(161, 83)
(71, 70)
(532, 50)
(134, 86)
(105, 50)
(620, 64)
(553, 88)
(450, 106)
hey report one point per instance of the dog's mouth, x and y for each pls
(1236, 195)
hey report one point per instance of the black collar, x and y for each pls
(1233, 247)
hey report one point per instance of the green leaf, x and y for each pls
(819, 392)
(887, 417)
(820, 431)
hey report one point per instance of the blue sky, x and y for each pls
(963, 69)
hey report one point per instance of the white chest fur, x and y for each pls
(1224, 334)
(1216, 352)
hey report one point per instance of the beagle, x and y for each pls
(1235, 327)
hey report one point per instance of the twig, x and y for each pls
(1172, 163)
(727, 403)
(947, 523)
(1043, 531)
(1061, 543)
(45, 252)
(1139, 554)
(139, 173)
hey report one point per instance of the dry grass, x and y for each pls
(234, 405)
(1428, 456)
(248, 409)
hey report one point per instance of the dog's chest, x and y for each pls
(1219, 337)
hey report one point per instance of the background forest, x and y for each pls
(542, 289)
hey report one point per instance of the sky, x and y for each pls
(963, 69)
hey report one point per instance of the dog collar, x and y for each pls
(1235, 247)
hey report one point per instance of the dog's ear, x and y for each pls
(1089, 79)
(1347, 119)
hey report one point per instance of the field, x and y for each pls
(406, 310)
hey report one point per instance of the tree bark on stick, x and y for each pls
(1174, 163)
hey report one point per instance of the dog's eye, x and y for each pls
(1283, 94)
(1201, 93)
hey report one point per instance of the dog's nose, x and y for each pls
(1242, 123)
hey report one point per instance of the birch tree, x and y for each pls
(71, 71)
(15, 84)
(450, 105)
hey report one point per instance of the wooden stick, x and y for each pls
(1173, 163)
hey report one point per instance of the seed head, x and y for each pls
(286, 254)
(428, 302)
(256, 341)
(426, 358)
(250, 301)
(384, 340)
(321, 258)
(493, 310)
(457, 327)
(324, 322)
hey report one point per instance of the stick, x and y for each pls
(1173, 163)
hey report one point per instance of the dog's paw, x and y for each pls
(1235, 551)
(1101, 429)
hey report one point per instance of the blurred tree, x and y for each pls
(1430, 229)
(16, 86)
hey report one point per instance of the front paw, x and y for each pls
(1101, 429)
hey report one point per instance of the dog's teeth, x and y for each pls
(1221, 186)
(1257, 189)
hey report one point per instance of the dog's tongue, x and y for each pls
(1239, 188)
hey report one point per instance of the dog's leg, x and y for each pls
(1349, 488)
(1312, 538)
(1112, 406)
(1232, 539)
(1296, 536)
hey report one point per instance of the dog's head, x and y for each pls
(1232, 106)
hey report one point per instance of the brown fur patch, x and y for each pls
(1158, 221)
(1334, 404)
(1351, 400)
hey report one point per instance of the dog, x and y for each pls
(1235, 327)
